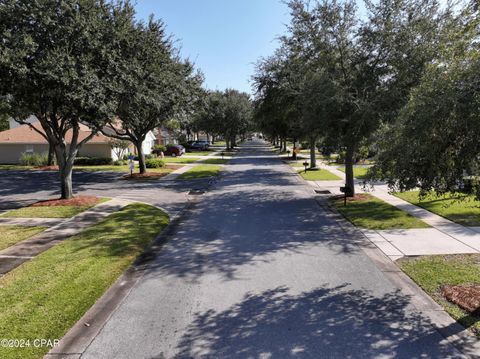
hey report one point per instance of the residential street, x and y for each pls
(258, 269)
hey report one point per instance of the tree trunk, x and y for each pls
(313, 159)
(232, 141)
(227, 143)
(141, 157)
(294, 154)
(65, 165)
(349, 180)
(51, 154)
(284, 145)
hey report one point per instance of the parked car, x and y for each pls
(174, 151)
(200, 145)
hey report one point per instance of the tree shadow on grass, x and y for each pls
(323, 323)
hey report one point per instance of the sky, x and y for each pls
(224, 38)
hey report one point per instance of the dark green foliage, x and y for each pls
(92, 161)
(154, 163)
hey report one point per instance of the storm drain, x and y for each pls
(322, 191)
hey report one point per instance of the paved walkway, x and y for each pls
(19, 253)
(445, 236)
(259, 270)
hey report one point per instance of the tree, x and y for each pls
(154, 85)
(119, 147)
(433, 144)
(360, 71)
(55, 63)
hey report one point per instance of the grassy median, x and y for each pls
(44, 297)
(368, 212)
(457, 207)
(9, 235)
(200, 171)
(432, 272)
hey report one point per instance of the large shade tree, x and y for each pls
(433, 145)
(154, 85)
(56, 64)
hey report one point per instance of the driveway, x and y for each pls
(259, 270)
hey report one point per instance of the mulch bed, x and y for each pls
(75, 201)
(466, 297)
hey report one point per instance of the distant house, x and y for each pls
(21, 138)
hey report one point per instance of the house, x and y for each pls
(22, 138)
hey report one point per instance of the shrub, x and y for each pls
(92, 161)
(34, 159)
(341, 157)
(120, 162)
(157, 149)
(154, 163)
(150, 156)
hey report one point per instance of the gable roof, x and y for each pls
(25, 135)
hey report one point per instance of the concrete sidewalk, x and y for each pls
(19, 253)
(445, 236)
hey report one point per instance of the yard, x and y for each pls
(51, 211)
(71, 276)
(359, 172)
(318, 175)
(433, 272)
(368, 212)
(200, 171)
(14, 234)
(459, 208)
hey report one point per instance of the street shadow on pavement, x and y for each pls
(323, 323)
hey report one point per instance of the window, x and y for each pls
(29, 149)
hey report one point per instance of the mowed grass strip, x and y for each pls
(318, 174)
(215, 161)
(200, 171)
(44, 297)
(457, 207)
(181, 159)
(49, 211)
(358, 171)
(373, 213)
(432, 272)
(9, 235)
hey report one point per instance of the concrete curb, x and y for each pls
(458, 336)
(79, 337)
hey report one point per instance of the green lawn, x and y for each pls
(48, 211)
(359, 172)
(15, 167)
(432, 272)
(180, 159)
(459, 208)
(215, 161)
(199, 153)
(200, 171)
(9, 235)
(318, 175)
(373, 213)
(44, 297)
(111, 168)
(219, 144)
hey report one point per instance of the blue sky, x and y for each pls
(223, 37)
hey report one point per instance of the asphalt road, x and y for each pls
(19, 188)
(259, 270)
